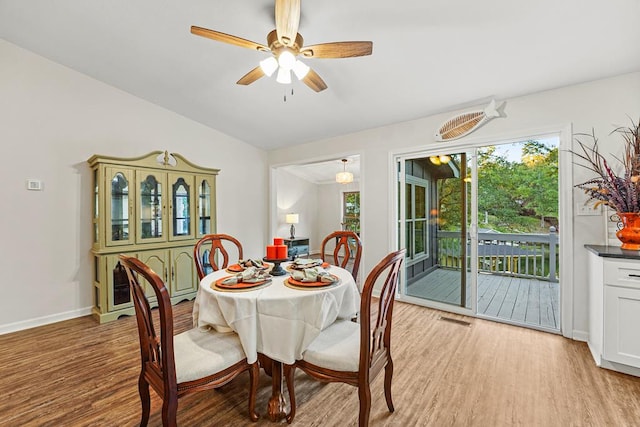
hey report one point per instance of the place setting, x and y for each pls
(248, 279)
(310, 278)
(304, 263)
(242, 265)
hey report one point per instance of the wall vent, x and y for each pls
(457, 321)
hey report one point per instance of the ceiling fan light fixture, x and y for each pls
(269, 66)
(284, 76)
(300, 69)
(286, 59)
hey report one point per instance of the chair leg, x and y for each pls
(289, 373)
(364, 393)
(254, 377)
(388, 376)
(145, 400)
(170, 411)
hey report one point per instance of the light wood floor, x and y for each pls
(80, 373)
(527, 301)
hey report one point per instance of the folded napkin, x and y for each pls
(306, 263)
(250, 275)
(315, 274)
(246, 263)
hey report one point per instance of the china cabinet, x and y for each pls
(154, 207)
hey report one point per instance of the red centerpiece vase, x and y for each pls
(629, 233)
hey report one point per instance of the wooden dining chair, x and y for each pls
(189, 362)
(355, 353)
(207, 250)
(346, 245)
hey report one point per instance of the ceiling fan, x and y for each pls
(285, 44)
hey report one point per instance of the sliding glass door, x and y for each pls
(433, 223)
(480, 229)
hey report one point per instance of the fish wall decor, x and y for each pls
(465, 123)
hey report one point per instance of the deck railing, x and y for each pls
(518, 255)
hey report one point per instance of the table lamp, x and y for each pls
(292, 218)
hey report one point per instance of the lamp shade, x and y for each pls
(269, 65)
(284, 76)
(300, 69)
(344, 177)
(286, 59)
(291, 218)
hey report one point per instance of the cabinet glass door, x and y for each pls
(181, 207)
(118, 207)
(151, 207)
(119, 295)
(204, 207)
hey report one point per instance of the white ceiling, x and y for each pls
(429, 56)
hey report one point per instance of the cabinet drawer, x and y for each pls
(622, 273)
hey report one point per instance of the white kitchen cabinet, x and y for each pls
(614, 308)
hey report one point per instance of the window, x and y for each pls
(416, 217)
(351, 211)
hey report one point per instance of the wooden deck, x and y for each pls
(529, 302)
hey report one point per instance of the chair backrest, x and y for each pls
(214, 245)
(348, 247)
(375, 326)
(156, 349)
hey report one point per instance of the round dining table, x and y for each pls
(275, 321)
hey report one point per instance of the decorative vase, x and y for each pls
(629, 232)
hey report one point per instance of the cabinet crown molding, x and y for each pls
(156, 160)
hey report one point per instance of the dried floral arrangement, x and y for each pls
(620, 192)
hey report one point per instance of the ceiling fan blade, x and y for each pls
(227, 38)
(251, 76)
(287, 21)
(337, 50)
(314, 81)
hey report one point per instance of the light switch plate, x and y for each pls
(587, 210)
(34, 185)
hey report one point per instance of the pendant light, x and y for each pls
(344, 177)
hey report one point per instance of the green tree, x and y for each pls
(510, 193)
(538, 176)
(497, 193)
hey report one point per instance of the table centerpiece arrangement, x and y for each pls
(277, 254)
(616, 185)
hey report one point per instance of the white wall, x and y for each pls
(297, 195)
(52, 119)
(330, 198)
(603, 105)
(319, 206)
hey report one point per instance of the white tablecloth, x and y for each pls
(276, 320)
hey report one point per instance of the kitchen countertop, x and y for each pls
(612, 252)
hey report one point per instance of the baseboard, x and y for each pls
(45, 320)
(580, 335)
